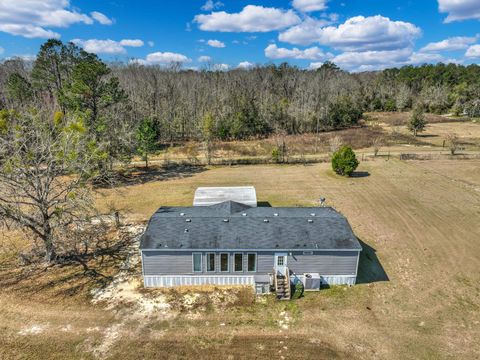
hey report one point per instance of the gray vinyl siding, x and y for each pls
(168, 263)
(180, 262)
(324, 263)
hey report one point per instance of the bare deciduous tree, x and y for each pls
(335, 143)
(451, 141)
(377, 143)
(43, 172)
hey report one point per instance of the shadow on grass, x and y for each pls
(360, 174)
(427, 135)
(75, 275)
(141, 175)
(370, 269)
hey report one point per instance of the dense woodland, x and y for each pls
(124, 105)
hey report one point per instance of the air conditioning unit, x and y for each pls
(312, 281)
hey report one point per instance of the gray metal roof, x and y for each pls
(206, 196)
(230, 225)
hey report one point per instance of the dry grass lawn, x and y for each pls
(418, 295)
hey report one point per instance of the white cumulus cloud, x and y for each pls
(211, 5)
(34, 18)
(131, 42)
(101, 18)
(245, 65)
(251, 19)
(163, 58)
(305, 33)
(450, 44)
(309, 5)
(473, 51)
(359, 33)
(272, 51)
(221, 67)
(378, 60)
(315, 65)
(107, 46)
(216, 43)
(204, 59)
(458, 10)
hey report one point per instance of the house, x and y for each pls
(230, 243)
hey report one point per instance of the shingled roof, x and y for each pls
(231, 225)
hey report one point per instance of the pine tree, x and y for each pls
(146, 139)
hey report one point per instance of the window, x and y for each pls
(280, 260)
(238, 261)
(197, 262)
(252, 262)
(224, 262)
(210, 262)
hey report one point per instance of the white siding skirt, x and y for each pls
(152, 281)
(338, 280)
(181, 280)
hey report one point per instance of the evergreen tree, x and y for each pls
(417, 121)
(147, 136)
(344, 161)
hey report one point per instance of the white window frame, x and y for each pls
(214, 262)
(234, 268)
(282, 257)
(228, 261)
(193, 262)
(256, 257)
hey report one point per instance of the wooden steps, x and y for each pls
(283, 288)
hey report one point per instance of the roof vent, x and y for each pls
(225, 220)
(265, 220)
(310, 220)
(186, 230)
(182, 214)
(312, 214)
(188, 220)
(275, 214)
(244, 214)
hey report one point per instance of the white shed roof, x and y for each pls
(205, 196)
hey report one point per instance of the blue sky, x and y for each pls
(357, 35)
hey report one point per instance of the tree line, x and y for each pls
(115, 99)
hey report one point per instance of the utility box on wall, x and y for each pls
(311, 281)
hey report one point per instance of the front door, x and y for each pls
(281, 263)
